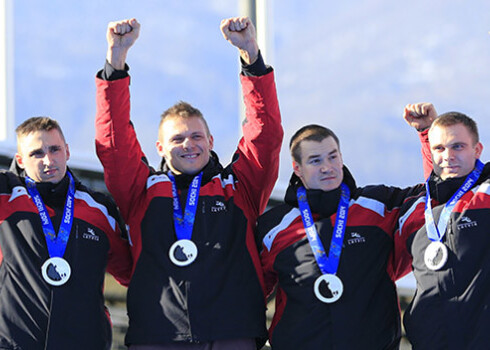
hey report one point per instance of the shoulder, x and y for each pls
(276, 218)
(388, 196)
(103, 202)
(9, 180)
(95, 196)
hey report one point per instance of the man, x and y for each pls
(329, 250)
(56, 239)
(197, 282)
(450, 254)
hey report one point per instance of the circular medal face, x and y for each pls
(183, 252)
(328, 288)
(56, 271)
(435, 255)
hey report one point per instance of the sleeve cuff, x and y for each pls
(110, 73)
(255, 69)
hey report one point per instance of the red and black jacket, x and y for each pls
(33, 314)
(220, 295)
(367, 314)
(451, 306)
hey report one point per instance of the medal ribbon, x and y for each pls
(185, 222)
(327, 264)
(56, 243)
(436, 233)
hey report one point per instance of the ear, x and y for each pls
(211, 142)
(297, 169)
(159, 147)
(67, 152)
(19, 160)
(478, 149)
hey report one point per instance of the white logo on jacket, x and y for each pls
(466, 222)
(90, 234)
(218, 206)
(356, 238)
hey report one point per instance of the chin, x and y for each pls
(450, 176)
(191, 171)
(329, 188)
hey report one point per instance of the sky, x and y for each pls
(351, 66)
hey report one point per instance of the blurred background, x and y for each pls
(351, 66)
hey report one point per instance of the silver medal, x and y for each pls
(56, 271)
(328, 288)
(435, 255)
(183, 252)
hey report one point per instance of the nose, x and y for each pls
(188, 144)
(47, 161)
(325, 168)
(448, 153)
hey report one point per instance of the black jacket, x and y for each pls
(33, 314)
(220, 295)
(367, 314)
(451, 307)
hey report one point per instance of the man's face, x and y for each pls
(185, 144)
(453, 150)
(321, 165)
(43, 155)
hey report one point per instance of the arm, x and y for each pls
(117, 146)
(267, 257)
(256, 162)
(119, 262)
(420, 116)
(388, 209)
(411, 220)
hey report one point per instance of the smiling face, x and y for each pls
(185, 144)
(454, 150)
(43, 155)
(321, 164)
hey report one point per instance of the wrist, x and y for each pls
(250, 52)
(117, 57)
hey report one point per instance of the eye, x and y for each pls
(332, 157)
(177, 139)
(458, 147)
(197, 137)
(37, 154)
(54, 149)
(314, 161)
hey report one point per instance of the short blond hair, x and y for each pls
(183, 110)
(37, 124)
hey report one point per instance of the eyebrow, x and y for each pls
(50, 148)
(37, 150)
(450, 145)
(192, 134)
(319, 155)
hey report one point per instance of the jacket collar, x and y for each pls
(442, 190)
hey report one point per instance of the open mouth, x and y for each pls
(190, 156)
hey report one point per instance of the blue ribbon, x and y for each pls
(436, 233)
(56, 243)
(327, 264)
(185, 222)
